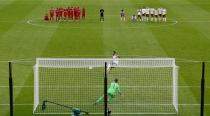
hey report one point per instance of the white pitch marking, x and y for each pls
(90, 55)
(5, 21)
(130, 56)
(117, 104)
(17, 104)
(191, 21)
(128, 27)
(28, 86)
(29, 22)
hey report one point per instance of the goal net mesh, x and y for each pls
(149, 85)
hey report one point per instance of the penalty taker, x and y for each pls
(115, 61)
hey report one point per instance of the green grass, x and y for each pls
(187, 41)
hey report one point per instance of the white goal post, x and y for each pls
(149, 85)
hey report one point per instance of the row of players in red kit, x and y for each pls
(69, 13)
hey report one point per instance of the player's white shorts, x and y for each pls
(113, 64)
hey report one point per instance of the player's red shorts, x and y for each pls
(61, 14)
(57, 13)
(71, 15)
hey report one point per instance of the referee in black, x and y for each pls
(102, 15)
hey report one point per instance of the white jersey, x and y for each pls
(115, 59)
(143, 11)
(156, 12)
(164, 11)
(147, 11)
(159, 10)
(139, 12)
(122, 13)
(152, 11)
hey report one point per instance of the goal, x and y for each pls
(149, 85)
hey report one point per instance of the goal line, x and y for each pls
(25, 104)
(29, 86)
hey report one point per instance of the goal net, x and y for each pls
(149, 85)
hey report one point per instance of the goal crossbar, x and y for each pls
(99, 62)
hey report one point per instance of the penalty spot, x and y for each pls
(90, 67)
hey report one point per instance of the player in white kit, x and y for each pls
(115, 61)
(152, 12)
(133, 18)
(115, 57)
(122, 15)
(143, 14)
(139, 13)
(160, 14)
(147, 14)
(156, 15)
(164, 11)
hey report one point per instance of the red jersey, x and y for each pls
(57, 12)
(79, 12)
(61, 12)
(71, 15)
(65, 12)
(68, 10)
(71, 12)
(52, 12)
(75, 11)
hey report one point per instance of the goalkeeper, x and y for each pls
(113, 90)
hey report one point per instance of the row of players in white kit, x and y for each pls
(151, 14)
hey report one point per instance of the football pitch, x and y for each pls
(24, 36)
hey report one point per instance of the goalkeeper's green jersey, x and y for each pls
(114, 88)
